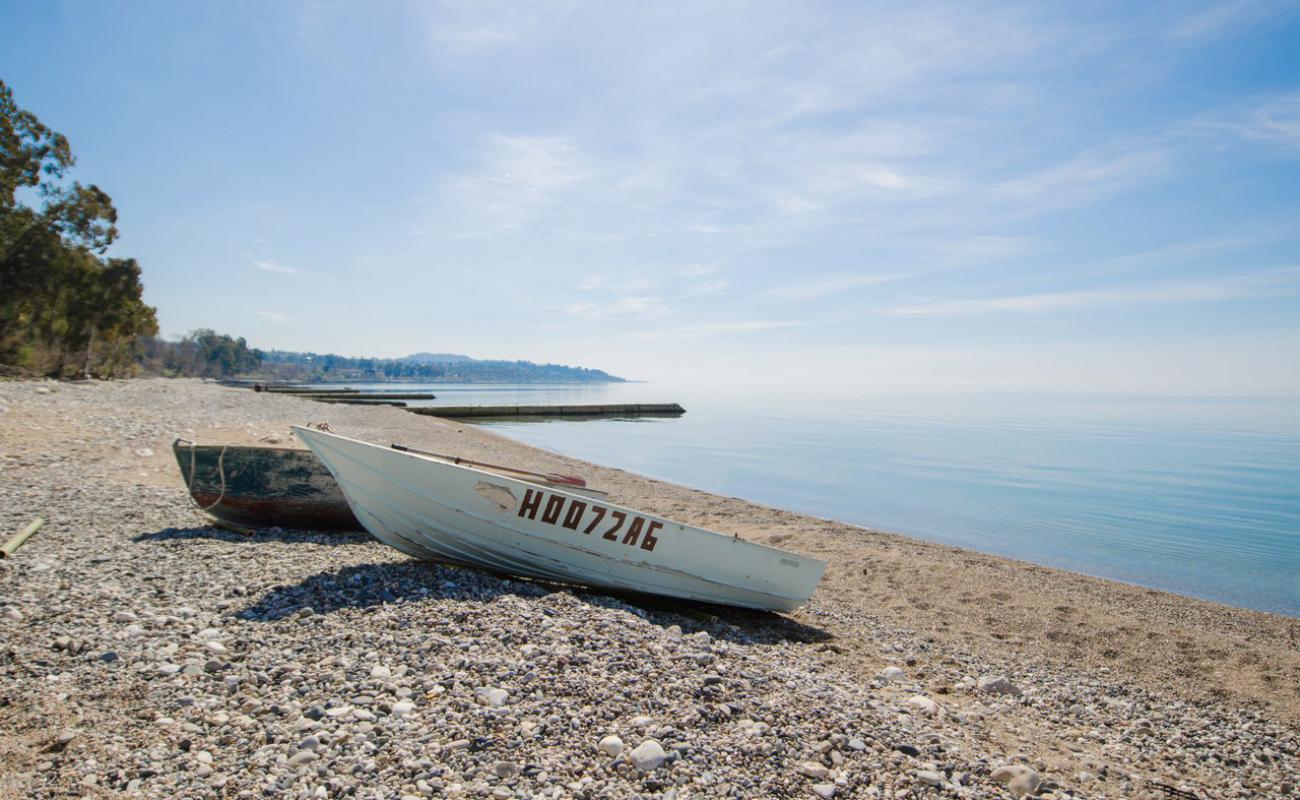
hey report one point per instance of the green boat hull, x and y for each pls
(263, 487)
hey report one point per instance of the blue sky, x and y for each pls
(1048, 195)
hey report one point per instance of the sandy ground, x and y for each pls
(884, 599)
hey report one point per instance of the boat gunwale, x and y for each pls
(812, 560)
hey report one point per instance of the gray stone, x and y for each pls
(1018, 778)
(505, 769)
(998, 684)
(302, 757)
(929, 777)
(648, 756)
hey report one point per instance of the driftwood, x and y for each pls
(230, 526)
(7, 549)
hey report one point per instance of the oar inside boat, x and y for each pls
(565, 480)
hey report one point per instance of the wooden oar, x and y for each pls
(566, 480)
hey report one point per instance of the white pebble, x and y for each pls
(610, 746)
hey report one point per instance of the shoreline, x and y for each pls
(1107, 673)
(912, 537)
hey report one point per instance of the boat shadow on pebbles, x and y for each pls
(371, 585)
(283, 535)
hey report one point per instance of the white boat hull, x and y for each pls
(435, 510)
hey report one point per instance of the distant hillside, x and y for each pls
(435, 358)
(421, 367)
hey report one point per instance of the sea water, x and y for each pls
(1196, 495)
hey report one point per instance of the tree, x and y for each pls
(59, 297)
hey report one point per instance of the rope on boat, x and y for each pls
(221, 471)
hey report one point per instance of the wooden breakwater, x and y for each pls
(351, 396)
(364, 396)
(591, 411)
(358, 401)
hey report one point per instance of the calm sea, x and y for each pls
(1196, 495)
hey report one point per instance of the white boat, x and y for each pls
(436, 510)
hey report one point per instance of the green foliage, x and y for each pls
(64, 309)
(202, 353)
(28, 150)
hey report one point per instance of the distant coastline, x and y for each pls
(328, 368)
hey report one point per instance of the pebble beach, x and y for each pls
(146, 653)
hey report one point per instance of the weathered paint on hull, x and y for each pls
(440, 511)
(265, 487)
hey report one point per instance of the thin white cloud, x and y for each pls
(1224, 16)
(267, 265)
(1258, 284)
(475, 28)
(627, 306)
(700, 330)
(517, 180)
(811, 290)
(1084, 177)
(706, 287)
(274, 316)
(697, 270)
(978, 249)
(1276, 122)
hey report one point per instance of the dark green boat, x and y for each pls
(264, 487)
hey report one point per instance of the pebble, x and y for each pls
(929, 777)
(892, 674)
(13, 614)
(923, 704)
(610, 746)
(648, 756)
(302, 757)
(490, 696)
(1018, 778)
(824, 790)
(505, 769)
(998, 684)
(814, 770)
